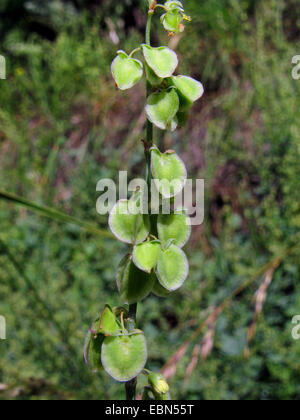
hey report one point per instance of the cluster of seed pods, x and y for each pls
(156, 262)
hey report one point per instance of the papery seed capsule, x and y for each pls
(124, 357)
(126, 71)
(162, 60)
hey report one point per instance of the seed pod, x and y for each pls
(162, 60)
(176, 226)
(174, 5)
(108, 324)
(124, 357)
(92, 351)
(159, 290)
(145, 255)
(133, 284)
(172, 21)
(126, 71)
(127, 227)
(158, 383)
(152, 78)
(172, 268)
(189, 88)
(162, 108)
(168, 171)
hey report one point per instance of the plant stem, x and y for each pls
(148, 27)
(131, 389)
(130, 386)
(149, 138)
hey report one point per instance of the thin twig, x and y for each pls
(260, 297)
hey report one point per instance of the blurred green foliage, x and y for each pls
(63, 127)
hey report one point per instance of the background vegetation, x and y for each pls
(63, 127)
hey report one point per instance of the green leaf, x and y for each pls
(175, 226)
(152, 78)
(133, 284)
(172, 268)
(92, 351)
(162, 60)
(168, 171)
(126, 71)
(127, 227)
(145, 255)
(189, 88)
(108, 324)
(124, 357)
(159, 290)
(161, 109)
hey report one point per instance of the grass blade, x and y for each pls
(53, 214)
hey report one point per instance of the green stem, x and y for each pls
(130, 386)
(148, 27)
(149, 138)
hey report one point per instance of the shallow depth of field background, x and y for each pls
(63, 126)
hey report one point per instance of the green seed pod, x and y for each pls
(160, 291)
(163, 397)
(133, 284)
(92, 351)
(127, 227)
(168, 171)
(184, 104)
(172, 268)
(172, 21)
(126, 71)
(162, 60)
(152, 78)
(124, 357)
(145, 255)
(189, 88)
(174, 226)
(162, 108)
(174, 5)
(108, 324)
(158, 383)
